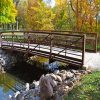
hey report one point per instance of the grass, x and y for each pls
(88, 90)
(98, 47)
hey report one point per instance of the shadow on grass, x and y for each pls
(88, 90)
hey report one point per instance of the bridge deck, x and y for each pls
(92, 61)
(44, 51)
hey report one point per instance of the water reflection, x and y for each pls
(8, 85)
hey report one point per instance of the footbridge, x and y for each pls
(64, 46)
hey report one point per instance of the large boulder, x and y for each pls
(47, 86)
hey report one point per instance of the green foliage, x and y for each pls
(98, 47)
(7, 11)
(88, 90)
(60, 10)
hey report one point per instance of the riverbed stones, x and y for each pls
(78, 74)
(66, 88)
(53, 76)
(59, 79)
(63, 76)
(73, 79)
(69, 74)
(63, 71)
(69, 83)
(89, 71)
(62, 82)
(56, 71)
(73, 71)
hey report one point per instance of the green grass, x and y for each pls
(98, 47)
(88, 90)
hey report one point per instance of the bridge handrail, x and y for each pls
(91, 36)
(51, 34)
(44, 32)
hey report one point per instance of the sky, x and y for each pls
(52, 3)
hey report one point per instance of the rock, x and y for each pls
(69, 74)
(55, 82)
(63, 76)
(73, 79)
(73, 71)
(78, 78)
(59, 79)
(56, 72)
(13, 98)
(58, 83)
(40, 77)
(60, 90)
(58, 97)
(53, 76)
(20, 97)
(36, 83)
(63, 71)
(66, 87)
(16, 94)
(89, 71)
(60, 74)
(78, 74)
(2, 69)
(32, 86)
(69, 83)
(46, 87)
(2, 62)
(27, 86)
(82, 71)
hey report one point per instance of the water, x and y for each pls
(16, 77)
(8, 85)
(17, 74)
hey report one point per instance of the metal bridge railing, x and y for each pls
(91, 38)
(67, 48)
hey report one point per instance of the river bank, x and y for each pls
(64, 80)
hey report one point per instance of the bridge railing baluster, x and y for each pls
(12, 39)
(83, 48)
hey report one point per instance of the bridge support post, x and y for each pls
(1, 39)
(83, 49)
(12, 39)
(96, 42)
(50, 56)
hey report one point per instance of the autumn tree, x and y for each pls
(39, 16)
(60, 10)
(7, 11)
(22, 7)
(85, 12)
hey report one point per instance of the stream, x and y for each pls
(8, 85)
(16, 75)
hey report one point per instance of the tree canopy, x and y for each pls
(77, 15)
(8, 11)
